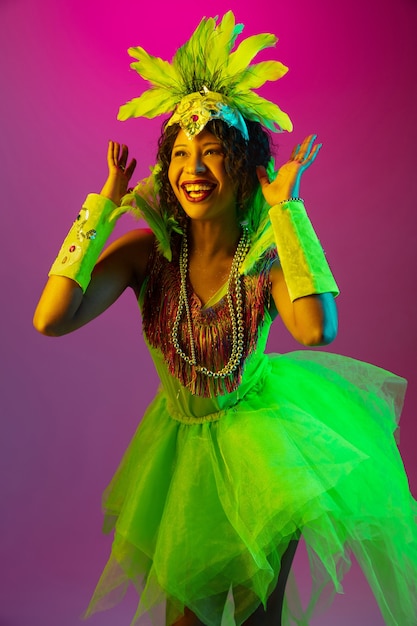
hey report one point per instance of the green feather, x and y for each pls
(254, 107)
(206, 60)
(156, 70)
(143, 203)
(247, 50)
(259, 224)
(189, 60)
(161, 225)
(151, 103)
(221, 43)
(256, 75)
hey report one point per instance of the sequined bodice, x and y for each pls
(211, 330)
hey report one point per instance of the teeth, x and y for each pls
(199, 187)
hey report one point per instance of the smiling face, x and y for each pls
(199, 179)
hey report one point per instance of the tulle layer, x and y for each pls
(205, 511)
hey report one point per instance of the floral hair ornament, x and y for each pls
(206, 80)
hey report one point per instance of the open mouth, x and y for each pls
(197, 191)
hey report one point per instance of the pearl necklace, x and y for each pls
(236, 317)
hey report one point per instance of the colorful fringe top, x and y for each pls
(211, 324)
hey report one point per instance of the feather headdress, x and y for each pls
(206, 80)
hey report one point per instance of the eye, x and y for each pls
(178, 153)
(214, 151)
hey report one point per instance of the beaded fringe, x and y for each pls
(211, 325)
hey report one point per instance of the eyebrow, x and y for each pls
(207, 143)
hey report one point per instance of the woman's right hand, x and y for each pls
(287, 183)
(116, 184)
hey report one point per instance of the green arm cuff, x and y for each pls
(85, 240)
(303, 262)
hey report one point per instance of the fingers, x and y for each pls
(306, 152)
(130, 169)
(117, 159)
(294, 153)
(314, 153)
(302, 151)
(110, 156)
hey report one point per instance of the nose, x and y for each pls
(195, 165)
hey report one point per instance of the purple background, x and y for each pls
(70, 405)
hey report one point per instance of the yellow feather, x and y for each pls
(154, 69)
(256, 75)
(206, 60)
(247, 50)
(151, 103)
(189, 60)
(221, 42)
(256, 108)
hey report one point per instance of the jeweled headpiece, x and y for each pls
(206, 80)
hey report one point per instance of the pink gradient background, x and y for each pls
(70, 405)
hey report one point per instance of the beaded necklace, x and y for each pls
(236, 316)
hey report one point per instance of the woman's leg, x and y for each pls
(260, 617)
(214, 606)
(188, 619)
(273, 612)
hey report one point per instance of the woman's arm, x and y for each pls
(63, 307)
(311, 320)
(302, 284)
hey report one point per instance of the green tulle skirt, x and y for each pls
(203, 511)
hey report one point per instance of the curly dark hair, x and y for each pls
(241, 159)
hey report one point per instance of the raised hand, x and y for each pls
(115, 186)
(287, 183)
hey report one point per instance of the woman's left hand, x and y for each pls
(287, 183)
(120, 173)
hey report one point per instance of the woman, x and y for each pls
(240, 452)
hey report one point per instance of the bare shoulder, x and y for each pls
(131, 251)
(139, 244)
(139, 236)
(138, 240)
